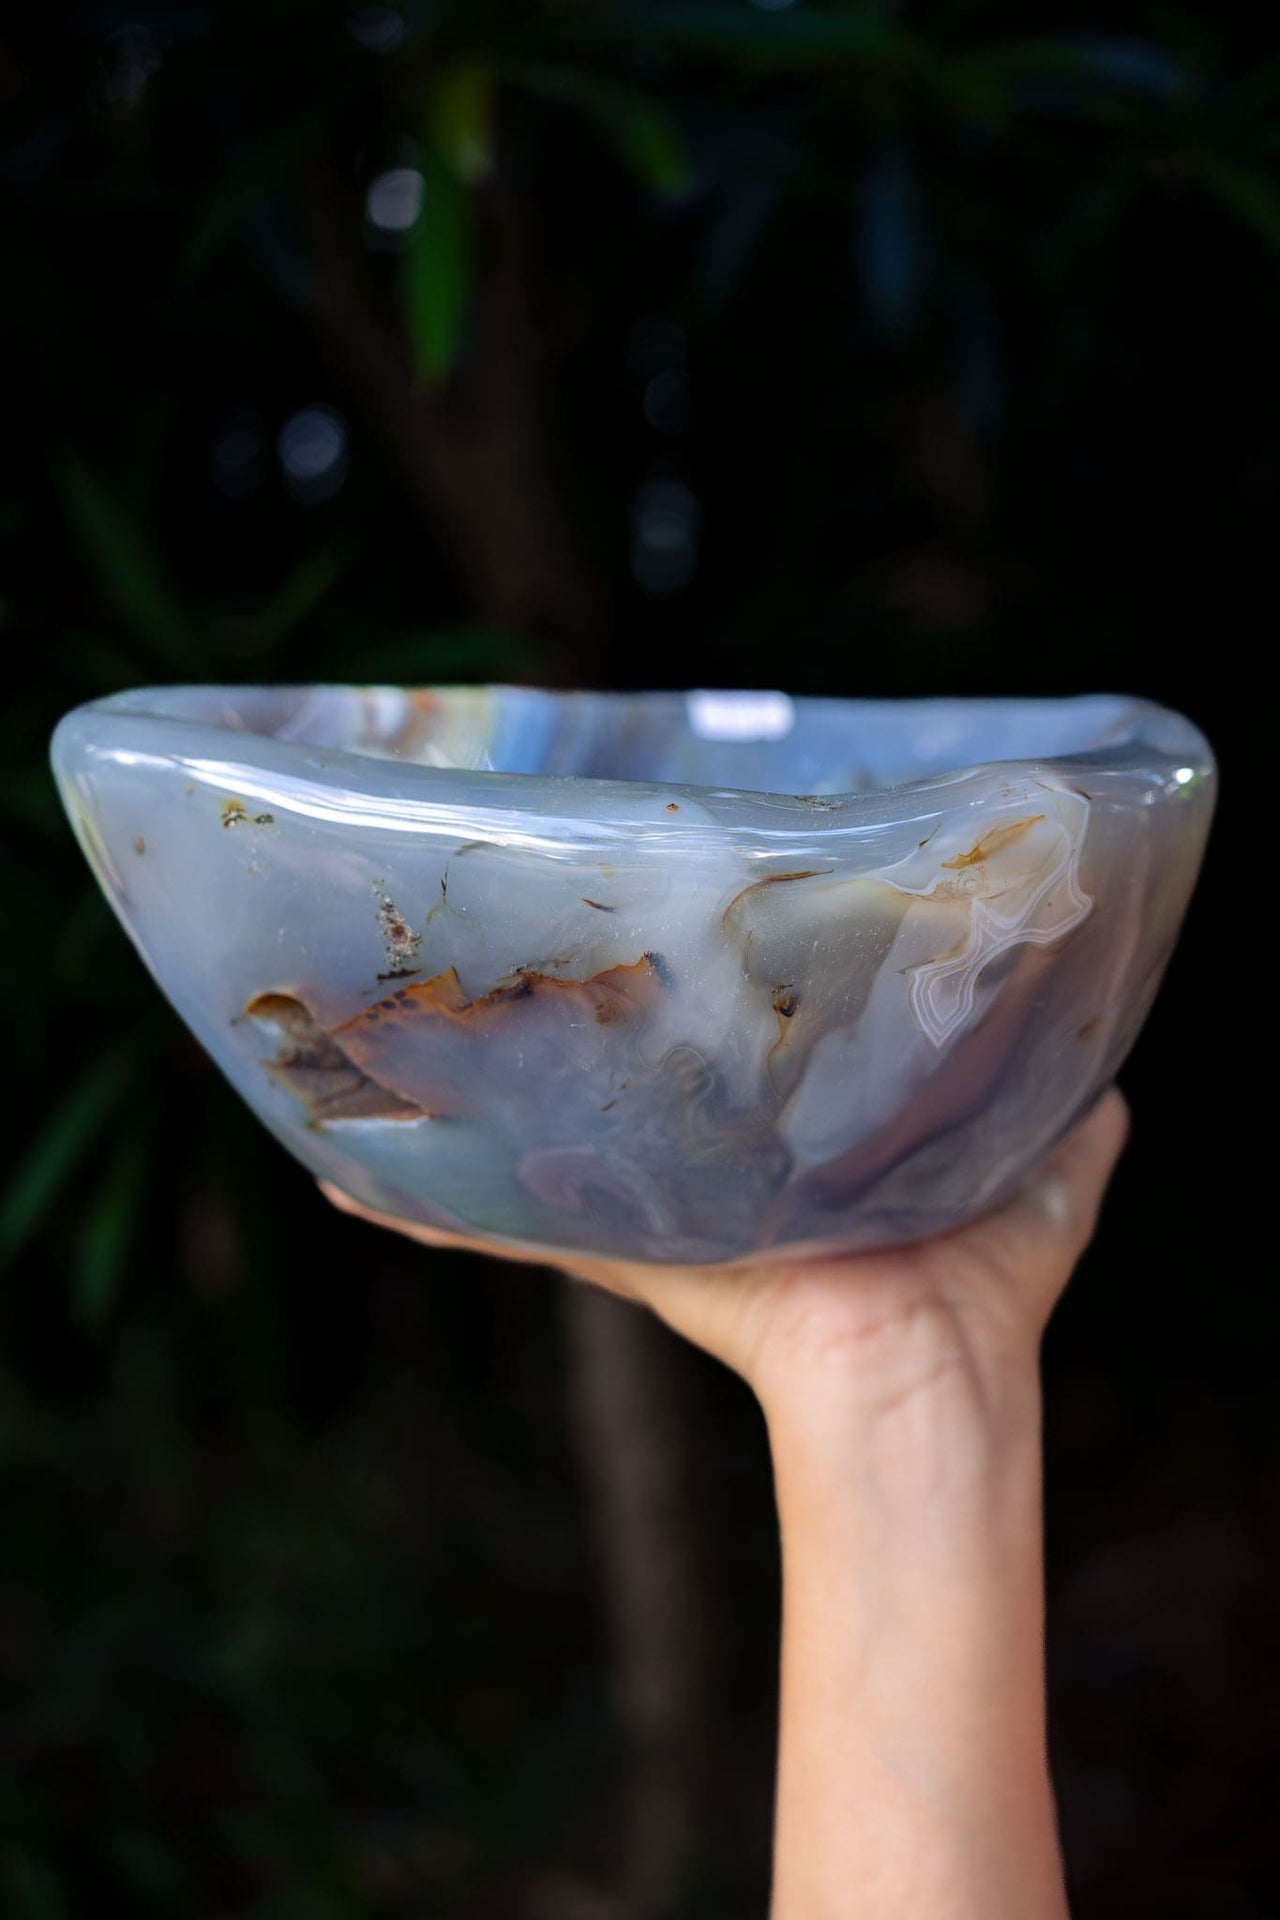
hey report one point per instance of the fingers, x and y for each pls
(1068, 1188)
(1032, 1243)
(345, 1204)
(1038, 1237)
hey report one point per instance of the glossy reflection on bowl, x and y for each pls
(664, 976)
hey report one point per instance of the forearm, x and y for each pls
(913, 1778)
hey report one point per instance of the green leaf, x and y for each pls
(107, 1237)
(64, 1140)
(437, 279)
(460, 115)
(120, 555)
(1118, 62)
(298, 597)
(647, 140)
(261, 171)
(643, 135)
(1251, 197)
(427, 658)
(1255, 94)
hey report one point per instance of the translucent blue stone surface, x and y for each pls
(664, 977)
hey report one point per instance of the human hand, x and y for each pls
(967, 1308)
(901, 1391)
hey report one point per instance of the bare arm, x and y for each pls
(902, 1398)
(912, 1773)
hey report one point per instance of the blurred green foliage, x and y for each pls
(854, 348)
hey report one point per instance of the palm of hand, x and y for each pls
(881, 1325)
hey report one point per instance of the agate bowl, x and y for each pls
(668, 977)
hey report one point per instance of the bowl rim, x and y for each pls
(1150, 745)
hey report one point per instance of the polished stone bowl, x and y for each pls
(662, 977)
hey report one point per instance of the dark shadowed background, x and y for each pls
(856, 350)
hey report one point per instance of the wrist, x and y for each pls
(913, 1694)
(953, 1449)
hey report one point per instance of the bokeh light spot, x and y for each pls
(394, 200)
(380, 29)
(313, 453)
(666, 524)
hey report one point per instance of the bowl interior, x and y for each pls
(767, 742)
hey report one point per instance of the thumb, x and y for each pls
(1053, 1218)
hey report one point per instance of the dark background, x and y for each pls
(872, 350)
